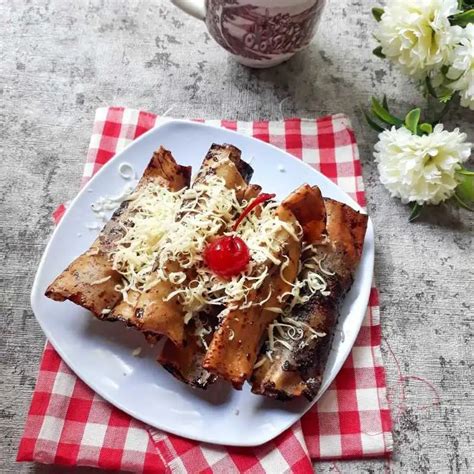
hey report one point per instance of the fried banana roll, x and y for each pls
(294, 357)
(93, 280)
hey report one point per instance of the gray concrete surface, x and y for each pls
(61, 59)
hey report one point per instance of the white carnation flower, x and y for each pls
(423, 168)
(462, 68)
(417, 34)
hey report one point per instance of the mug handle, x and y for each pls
(195, 8)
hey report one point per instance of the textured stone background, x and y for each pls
(61, 59)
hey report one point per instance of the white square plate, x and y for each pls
(101, 353)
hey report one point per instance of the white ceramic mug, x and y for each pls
(258, 33)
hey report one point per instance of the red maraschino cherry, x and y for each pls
(229, 255)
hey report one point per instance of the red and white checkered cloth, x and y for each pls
(69, 424)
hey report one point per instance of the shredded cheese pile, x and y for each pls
(206, 209)
(169, 232)
(262, 234)
(153, 210)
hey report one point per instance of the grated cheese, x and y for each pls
(167, 237)
(286, 330)
(137, 351)
(103, 207)
(259, 363)
(201, 332)
(101, 280)
(153, 210)
(92, 225)
(207, 209)
(289, 329)
(169, 231)
(326, 272)
(126, 170)
(309, 280)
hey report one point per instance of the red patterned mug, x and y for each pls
(258, 33)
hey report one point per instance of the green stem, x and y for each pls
(443, 112)
(430, 88)
(462, 203)
(415, 212)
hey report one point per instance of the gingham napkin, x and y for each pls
(69, 424)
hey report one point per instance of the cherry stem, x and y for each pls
(251, 206)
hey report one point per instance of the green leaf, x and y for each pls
(445, 95)
(411, 120)
(377, 13)
(415, 212)
(465, 188)
(463, 19)
(378, 52)
(385, 103)
(426, 128)
(378, 128)
(383, 114)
